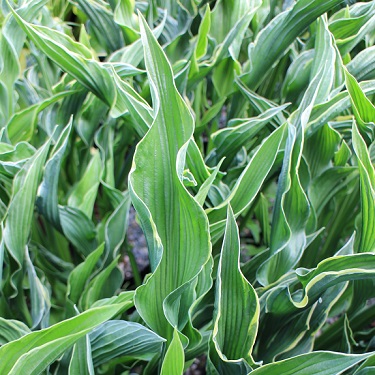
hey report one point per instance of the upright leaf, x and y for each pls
(21, 208)
(292, 208)
(174, 358)
(175, 225)
(367, 180)
(236, 309)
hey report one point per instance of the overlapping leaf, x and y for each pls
(178, 244)
(236, 310)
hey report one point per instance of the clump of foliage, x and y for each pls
(242, 132)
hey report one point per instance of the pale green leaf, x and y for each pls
(36, 350)
(174, 358)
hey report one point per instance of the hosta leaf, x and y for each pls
(21, 125)
(174, 358)
(205, 188)
(36, 350)
(342, 155)
(204, 29)
(116, 226)
(125, 17)
(228, 141)
(223, 76)
(81, 274)
(363, 109)
(117, 338)
(319, 363)
(329, 272)
(12, 158)
(81, 361)
(298, 76)
(362, 67)
(248, 184)
(47, 201)
(285, 28)
(320, 149)
(21, 208)
(236, 307)
(12, 330)
(324, 51)
(78, 229)
(292, 208)
(224, 16)
(355, 23)
(260, 103)
(93, 111)
(164, 206)
(2, 252)
(95, 288)
(366, 371)
(367, 180)
(324, 112)
(221, 51)
(195, 162)
(39, 296)
(73, 57)
(132, 53)
(129, 100)
(197, 134)
(102, 26)
(11, 43)
(323, 189)
(83, 195)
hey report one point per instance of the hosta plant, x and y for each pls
(238, 135)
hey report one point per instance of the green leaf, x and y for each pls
(349, 26)
(116, 227)
(292, 208)
(21, 208)
(73, 57)
(174, 358)
(320, 149)
(83, 195)
(102, 26)
(367, 180)
(248, 184)
(285, 27)
(14, 157)
(240, 132)
(363, 109)
(12, 330)
(204, 29)
(329, 272)
(178, 245)
(47, 201)
(95, 288)
(319, 363)
(36, 350)
(81, 274)
(78, 229)
(204, 189)
(324, 112)
(362, 67)
(117, 338)
(81, 361)
(233, 38)
(21, 125)
(225, 15)
(39, 296)
(236, 306)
